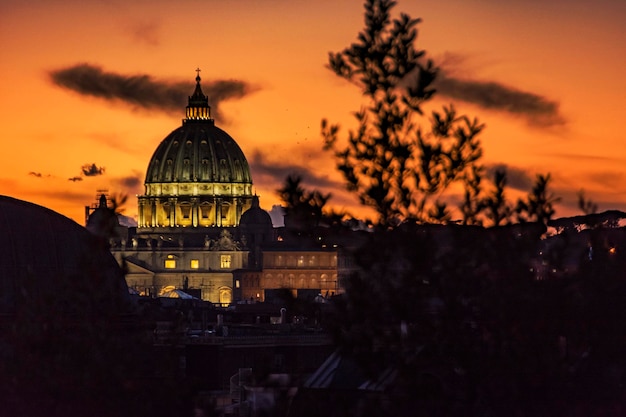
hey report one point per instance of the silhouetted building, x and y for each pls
(65, 316)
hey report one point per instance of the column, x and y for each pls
(153, 212)
(140, 220)
(218, 212)
(237, 204)
(172, 202)
(194, 212)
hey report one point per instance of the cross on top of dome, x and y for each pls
(198, 107)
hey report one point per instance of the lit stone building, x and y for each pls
(307, 273)
(200, 229)
(197, 187)
(197, 177)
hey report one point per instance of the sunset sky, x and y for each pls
(89, 88)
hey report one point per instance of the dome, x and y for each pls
(198, 176)
(48, 258)
(255, 216)
(198, 151)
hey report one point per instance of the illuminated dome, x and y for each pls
(198, 176)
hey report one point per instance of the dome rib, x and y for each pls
(225, 159)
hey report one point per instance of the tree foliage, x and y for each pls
(306, 209)
(539, 205)
(404, 170)
(395, 166)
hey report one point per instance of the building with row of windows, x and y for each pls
(200, 229)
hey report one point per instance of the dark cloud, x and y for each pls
(517, 178)
(74, 179)
(536, 109)
(608, 179)
(35, 174)
(131, 182)
(276, 172)
(142, 90)
(92, 170)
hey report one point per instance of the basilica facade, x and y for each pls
(200, 229)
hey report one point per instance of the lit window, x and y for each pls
(195, 264)
(186, 211)
(225, 261)
(301, 260)
(237, 284)
(170, 263)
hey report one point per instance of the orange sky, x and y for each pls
(570, 55)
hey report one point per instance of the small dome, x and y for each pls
(255, 215)
(103, 221)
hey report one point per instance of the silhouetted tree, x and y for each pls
(586, 205)
(306, 209)
(118, 201)
(498, 210)
(393, 165)
(539, 205)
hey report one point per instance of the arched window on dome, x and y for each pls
(155, 169)
(204, 170)
(168, 169)
(224, 174)
(238, 171)
(186, 169)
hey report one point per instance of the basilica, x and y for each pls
(200, 229)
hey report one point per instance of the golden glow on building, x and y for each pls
(225, 261)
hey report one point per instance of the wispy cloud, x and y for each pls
(585, 157)
(272, 171)
(535, 108)
(74, 179)
(146, 32)
(517, 178)
(607, 179)
(457, 80)
(142, 90)
(35, 174)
